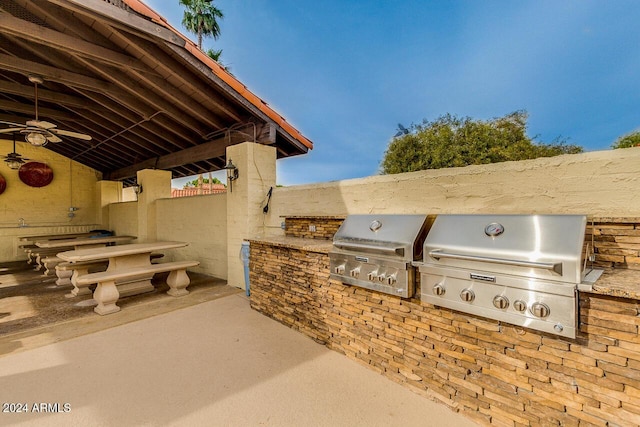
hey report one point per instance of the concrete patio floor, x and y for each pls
(217, 363)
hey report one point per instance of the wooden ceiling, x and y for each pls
(147, 96)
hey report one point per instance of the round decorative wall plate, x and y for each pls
(35, 174)
(3, 184)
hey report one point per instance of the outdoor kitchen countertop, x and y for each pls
(621, 283)
(300, 243)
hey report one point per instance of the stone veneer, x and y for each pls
(494, 373)
(312, 227)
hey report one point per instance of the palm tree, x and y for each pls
(200, 17)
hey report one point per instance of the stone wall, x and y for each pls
(617, 242)
(312, 227)
(494, 373)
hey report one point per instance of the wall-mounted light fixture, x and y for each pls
(232, 174)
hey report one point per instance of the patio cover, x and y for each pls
(116, 70)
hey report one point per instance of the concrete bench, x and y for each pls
(68, 272)
(39, 254)
(106, 293)
(49, 263)
(28, 249)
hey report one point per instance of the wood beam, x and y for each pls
(209, 150)
(43, 94)
(166, 64)
(101, 10)
(57, 40)
(187, 56)
(19, 107)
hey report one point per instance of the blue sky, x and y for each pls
(346, 72)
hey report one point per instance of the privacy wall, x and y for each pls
(201, 221)
(602, 183)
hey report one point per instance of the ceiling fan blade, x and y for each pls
(71, 134)
(12, 123)
(41, 124)
(10, 130)
(52, 138)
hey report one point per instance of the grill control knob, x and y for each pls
(539, 309)
(439, 289)
(355, 272)
(339, 269)
(500, 302)
(520, 305)
(467, 295)
(391, 280)
(381, 277)
(373, 275)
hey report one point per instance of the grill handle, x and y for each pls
(368, 248)
(555, 267)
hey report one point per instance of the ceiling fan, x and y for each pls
(37, 132)
(14, 160)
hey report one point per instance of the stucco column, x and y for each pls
(156, 184)
(256, 165)
(107, 192)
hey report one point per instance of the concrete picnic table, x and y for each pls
(65, 244)
(86, 242)
(132, 262)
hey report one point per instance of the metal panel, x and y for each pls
(540, 246)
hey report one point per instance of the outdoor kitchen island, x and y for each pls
(492, 372)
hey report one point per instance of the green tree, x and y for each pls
(194, 183)
(216, 55)
(451, 141)
(201, 18)
(629, 140)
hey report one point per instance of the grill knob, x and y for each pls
(520, 305)
(467, 295)
(339, 269)
(500, 302)
(391, 280)
(355, 272)
(439, 289)
(373, 275)
(381, 277)
(539, 309)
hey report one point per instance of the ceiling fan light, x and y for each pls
(36, 138)
(13, 164)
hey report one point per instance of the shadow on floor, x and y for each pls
(34, 310)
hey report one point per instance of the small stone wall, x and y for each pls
(617, 242)
(494, 373)
(312, 227)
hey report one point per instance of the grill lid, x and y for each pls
(540, 246)
(387, 235)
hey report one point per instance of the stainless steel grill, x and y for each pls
(376, 252)
(520, 269)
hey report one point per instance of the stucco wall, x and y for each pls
(599, 183)
(123, 218)
(45, 209)
(201, 221)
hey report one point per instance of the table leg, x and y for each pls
(76, 291)
(178, 281)
(64, 277)
(106, 295)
